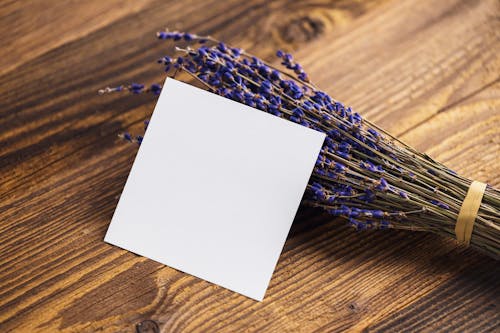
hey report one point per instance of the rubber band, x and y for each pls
(468, 212)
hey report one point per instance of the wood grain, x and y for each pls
(427, 71)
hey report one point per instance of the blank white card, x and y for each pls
(214, 188)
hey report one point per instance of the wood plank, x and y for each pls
(465, 136)
(414, 68)
(26, 34)
(399, 70)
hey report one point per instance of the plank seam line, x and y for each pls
(449, 106)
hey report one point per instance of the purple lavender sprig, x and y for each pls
(363, 173)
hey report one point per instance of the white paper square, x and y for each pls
(214, 188)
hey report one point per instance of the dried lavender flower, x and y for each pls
(363, 173)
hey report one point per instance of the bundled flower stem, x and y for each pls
(363, 173)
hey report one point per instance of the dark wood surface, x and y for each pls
(428, 71)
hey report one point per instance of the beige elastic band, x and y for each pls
(468, 212)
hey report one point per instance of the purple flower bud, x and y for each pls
(155, 88)
(161, 35)
(222, 47)
(136, 88)
(440, 204)
(384, 224)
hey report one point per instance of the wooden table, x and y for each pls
(428, 71)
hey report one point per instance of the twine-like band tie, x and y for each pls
(468, 212)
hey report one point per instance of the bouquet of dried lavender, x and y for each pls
(363, 173)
